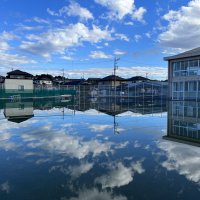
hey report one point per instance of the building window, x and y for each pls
(21, 87)
(186, 68)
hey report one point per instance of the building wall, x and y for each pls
(184, 120)
(184, 79)
(18, 109)
(18, 86)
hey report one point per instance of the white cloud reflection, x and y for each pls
(120, 175)
(185, 159)
(95, 194)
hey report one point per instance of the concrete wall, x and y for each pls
(12, 85)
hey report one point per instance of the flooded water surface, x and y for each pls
(101, 150)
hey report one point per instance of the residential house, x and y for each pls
(93, 81)
(43, 80)
(18, 111)
(75, 81)
(136, 79)
(111, 81)
(18, 82)
(184, 75)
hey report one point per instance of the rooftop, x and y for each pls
(186, 54)
(112, 78)
(138, 78)
(19, 72)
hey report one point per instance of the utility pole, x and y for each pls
(115, 69)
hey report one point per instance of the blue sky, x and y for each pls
(83, 37)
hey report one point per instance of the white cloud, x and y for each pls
(95, 194)
(182, 158)
(99, 127)
(122, 37)
(129, 23)
(65, 144)
(10, 60)
(183, 30)
(67, 58)
(51, 12)
(58, 40)
(148, 35)
(74, 9)
(139, 14)
(40, 20)
(137, 37)
(99, 55)
(5, 187)
(136, 144)
(77, 171)
(119, 9)
(154, 72)
(119, 52)
(122, 145)
(5, 37)
(120, 175)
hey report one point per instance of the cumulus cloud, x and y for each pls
(8, 59)
(99, 55)
(91, 194)
(120, 175)
(182, 158)
(73, 9)
(63, 143)
(59, 39)
(119, 9)
(74, 171)
(183, 30)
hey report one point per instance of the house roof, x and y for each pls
(19, 72)
(186, 54)
(138, 78)
(112, 78)
(19, 119)
(93, 79)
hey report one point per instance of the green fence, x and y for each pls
(36, 93)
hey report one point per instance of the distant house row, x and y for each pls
(20, 80)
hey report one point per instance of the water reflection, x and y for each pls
(69, 149)
(184, 122)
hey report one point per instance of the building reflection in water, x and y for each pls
(184, 122)
(18, 111)
(183, 116)
(22, 110)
